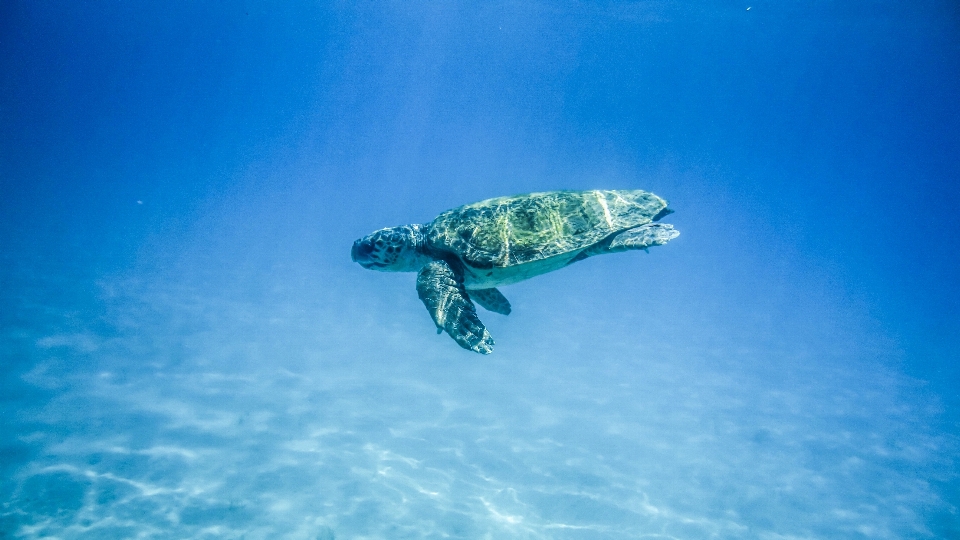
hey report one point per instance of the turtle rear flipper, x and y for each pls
(441, 290)
(491, 300)
(643, 237)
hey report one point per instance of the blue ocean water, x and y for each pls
(189, 352)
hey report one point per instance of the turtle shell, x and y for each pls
(508, 231)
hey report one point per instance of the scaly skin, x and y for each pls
(441, 290)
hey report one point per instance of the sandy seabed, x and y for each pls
(186, 417)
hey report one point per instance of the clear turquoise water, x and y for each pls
(188, 351)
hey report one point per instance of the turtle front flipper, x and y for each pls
(491, 300)
(441, 290)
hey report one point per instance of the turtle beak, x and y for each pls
(360, 253)
(353, 251)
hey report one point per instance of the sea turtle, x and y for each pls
(465, 253)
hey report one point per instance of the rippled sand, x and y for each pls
(186, 417)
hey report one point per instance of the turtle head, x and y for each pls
(394, 249)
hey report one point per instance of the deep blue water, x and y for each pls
(189, 352)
